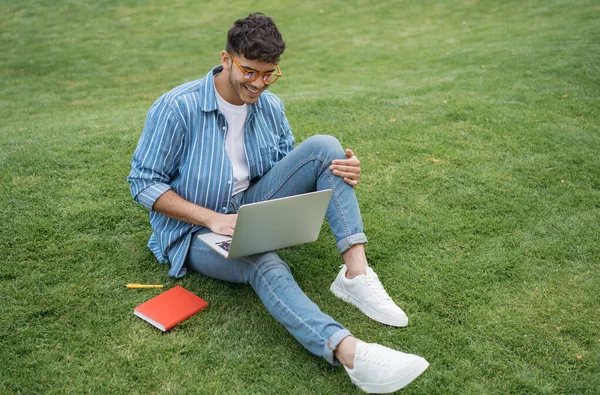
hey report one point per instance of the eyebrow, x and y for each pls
(256, 71)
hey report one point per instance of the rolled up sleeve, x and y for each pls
(156, 156)
(149, 195)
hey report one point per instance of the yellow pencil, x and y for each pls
(143, 286)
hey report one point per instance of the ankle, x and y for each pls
(355, 260)
(345, 351)
(355, 271)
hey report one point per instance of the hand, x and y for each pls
(223, 224)
(348, 169)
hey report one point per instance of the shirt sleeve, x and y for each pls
(286, 141)
(156, 157)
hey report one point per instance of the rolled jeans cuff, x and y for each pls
(332, 344)
(345, 244)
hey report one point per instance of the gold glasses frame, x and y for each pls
(250, 75)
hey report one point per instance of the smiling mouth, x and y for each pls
(252, 90)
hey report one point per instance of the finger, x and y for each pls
(352, 161)
(345, 165)
(353, 176)
(351, 181)
(349, 162)
(349, 169)
(227, 231)
(349, 153)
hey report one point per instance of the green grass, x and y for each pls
(477, 125)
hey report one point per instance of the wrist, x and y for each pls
(209, 219)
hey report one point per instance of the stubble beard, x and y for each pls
(242, 92)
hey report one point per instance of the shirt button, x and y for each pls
(229, 182)
(224, 209)
(224, 128)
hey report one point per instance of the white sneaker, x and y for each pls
(367, 293)
(378, 369)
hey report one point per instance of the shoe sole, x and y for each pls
(369, 312)
(418, 368)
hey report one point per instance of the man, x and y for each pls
(211, 145)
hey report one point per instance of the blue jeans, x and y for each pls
(305, 169)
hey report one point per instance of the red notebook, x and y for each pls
(171, 307)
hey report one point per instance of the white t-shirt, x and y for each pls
(234, 142)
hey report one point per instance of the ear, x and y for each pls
(225, 60)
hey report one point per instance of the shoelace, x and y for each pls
(377, 355)
(375, 286)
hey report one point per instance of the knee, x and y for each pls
(270, 267)
(326, 146)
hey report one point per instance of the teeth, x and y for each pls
(252, 89)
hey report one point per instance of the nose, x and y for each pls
(258, 83)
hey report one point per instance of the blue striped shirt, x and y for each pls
(182, 148)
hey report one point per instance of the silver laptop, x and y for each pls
(272, 224)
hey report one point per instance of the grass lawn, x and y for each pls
(478, 127)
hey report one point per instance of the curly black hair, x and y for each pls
(256, 37)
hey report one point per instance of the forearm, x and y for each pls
(174, 206)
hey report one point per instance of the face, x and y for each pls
(241, 90)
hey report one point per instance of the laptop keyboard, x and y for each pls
(225, 244)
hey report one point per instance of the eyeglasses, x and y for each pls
(250, 75)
